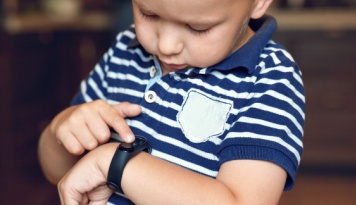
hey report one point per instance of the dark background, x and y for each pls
(44, 56)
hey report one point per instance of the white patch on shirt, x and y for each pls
(203, 116)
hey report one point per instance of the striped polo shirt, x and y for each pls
(249, 106)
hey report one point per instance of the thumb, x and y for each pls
(71, 197)
(127, 109)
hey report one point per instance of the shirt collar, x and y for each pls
(247, 56)
(134, 42)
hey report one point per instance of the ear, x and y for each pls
(260, 8)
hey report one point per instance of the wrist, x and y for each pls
(104, 155)
(123, 154)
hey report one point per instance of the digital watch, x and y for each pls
(124, 152)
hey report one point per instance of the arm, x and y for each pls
(49, 151)
(79, 128)
(149, 180)
(238, 182)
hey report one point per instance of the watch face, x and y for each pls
(140, 141)
(127, 146)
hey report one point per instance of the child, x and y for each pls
(221, 105)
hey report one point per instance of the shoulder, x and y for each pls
(276, 67)
(278, 52)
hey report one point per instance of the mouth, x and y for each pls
(172, 66)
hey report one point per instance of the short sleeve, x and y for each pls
(270, 125)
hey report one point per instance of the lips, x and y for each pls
(172, 66)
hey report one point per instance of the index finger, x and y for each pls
(115, 118)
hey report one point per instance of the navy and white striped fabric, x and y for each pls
(250, 106)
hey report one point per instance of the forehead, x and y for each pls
(178, 4)
(186, 8)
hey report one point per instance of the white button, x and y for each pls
(153, 72)
(150, 96)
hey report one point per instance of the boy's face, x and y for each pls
(191, 33)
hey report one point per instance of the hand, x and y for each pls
(85, 182)
(84, 127)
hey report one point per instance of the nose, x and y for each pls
(169, 42)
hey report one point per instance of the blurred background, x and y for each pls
(48, 46)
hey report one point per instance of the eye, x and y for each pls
(198, 30)
(148, 15)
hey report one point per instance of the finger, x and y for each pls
(86, 138)
(104, 202)
(71, 143)
(65, 199)
(85, 199)
(66, 135)
(119, 125)
(60, 196)
(99, 130)
(127, 109)
(97, 127)
(64, 196)
(99, 195)
(116, 119)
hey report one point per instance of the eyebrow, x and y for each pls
(141, 5)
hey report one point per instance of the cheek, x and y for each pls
(204, 57)
(146, 36)
(208, 53)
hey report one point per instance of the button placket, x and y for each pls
(153, 71)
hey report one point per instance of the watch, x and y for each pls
(124, 152)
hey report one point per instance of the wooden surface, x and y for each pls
(315, 19)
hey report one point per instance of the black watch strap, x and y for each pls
(123, 154)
